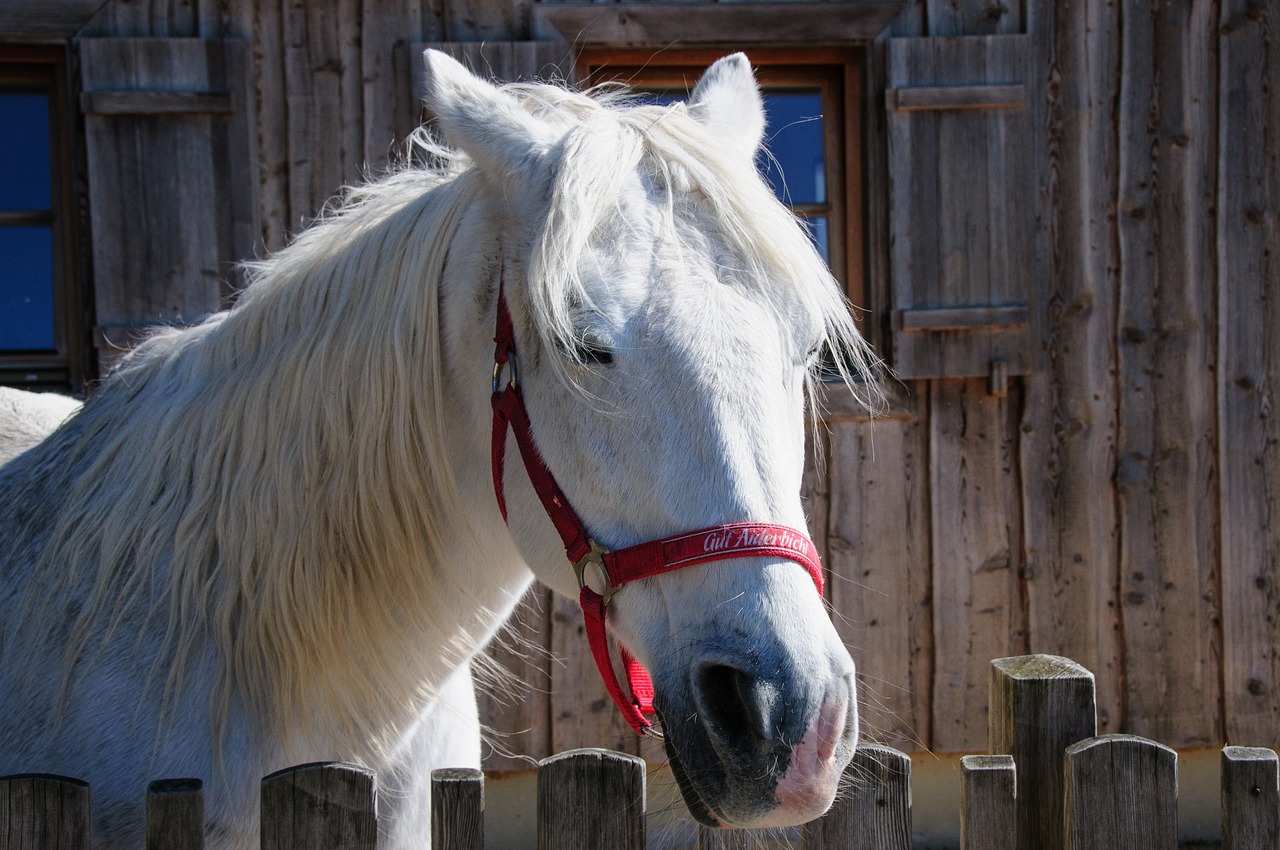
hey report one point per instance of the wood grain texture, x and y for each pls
(988, 803)
(1067, 435)
(516, 704)
(1166, 474)
(878, 547)
(187, 178)
(320, 806)
(874, 812)
(1250, 799)
(735, 25)
(1040, 704)
(590, 799)
(457, 809)
(581, 710)
(1120, 791)
(1248, 252)
(44, 812)
(175, 814)
(962, 204)
(973, 498)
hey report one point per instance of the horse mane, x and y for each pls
(270, 475)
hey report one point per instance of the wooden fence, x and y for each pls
(1049, 784)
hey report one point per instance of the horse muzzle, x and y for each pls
(751, 749)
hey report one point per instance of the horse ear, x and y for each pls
(481, 120)
(727, 101)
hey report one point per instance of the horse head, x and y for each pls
(668, 316)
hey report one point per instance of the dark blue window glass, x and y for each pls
(26, 288)
(26, 237)
(24, 143)
(793, 158)
(792, 161)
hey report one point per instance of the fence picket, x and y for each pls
(457, 809)
(1040, 704)
(874, 811)
(320, 806)
(39, 811)
(1250, 799)
(988, 807)
(591, 798)
(1121, 791)
(175, 814)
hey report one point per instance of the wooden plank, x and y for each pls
(387, 26)
(874, 812)
(686, 24)
(175, 814)
(580, 707)
(41, 811)
(483, 20)
(973, 17)
(961, 214)
(1067, 435)
(272, 117)
(1248, 254)
(457, 809)
(878, 547)
(320, 806)
(1120, 791)
(988, 807)
(46, 18)
(969, 316)
(591, 798)
(925, 98)
(1166, 471)
(974, 506)
(173, 258)
(1040, 704)
(155, 103)
(515, 708)
(1250, 799)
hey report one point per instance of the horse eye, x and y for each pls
(589, 348)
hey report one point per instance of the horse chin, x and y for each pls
(721, 794)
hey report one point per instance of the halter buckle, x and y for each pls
(595, 557)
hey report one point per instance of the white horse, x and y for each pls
(273, 537)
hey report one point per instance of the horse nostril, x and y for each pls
(735, 703)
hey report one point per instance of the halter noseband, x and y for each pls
(720, 542)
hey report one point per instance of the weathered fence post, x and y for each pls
(1040, 704)
(874, 811)
(988, 803)
(175, 814)
(1250, 799)
(457, 809)
(320, 806)
(39, 811)
(1121, 791)
(589, 799)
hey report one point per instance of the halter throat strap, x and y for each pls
(612, 569)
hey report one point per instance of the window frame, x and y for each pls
(837, 71)
(44, 69)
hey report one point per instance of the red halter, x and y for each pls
(737, 540)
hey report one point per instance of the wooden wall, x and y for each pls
(1115, 506)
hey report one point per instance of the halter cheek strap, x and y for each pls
(616, 568)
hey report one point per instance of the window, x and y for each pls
(811, 140)
(41, 329)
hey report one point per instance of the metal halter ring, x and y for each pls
(595, 557)
(515, 372)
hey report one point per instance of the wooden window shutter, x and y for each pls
(170, 140)
(962, 205)
(501, 61)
